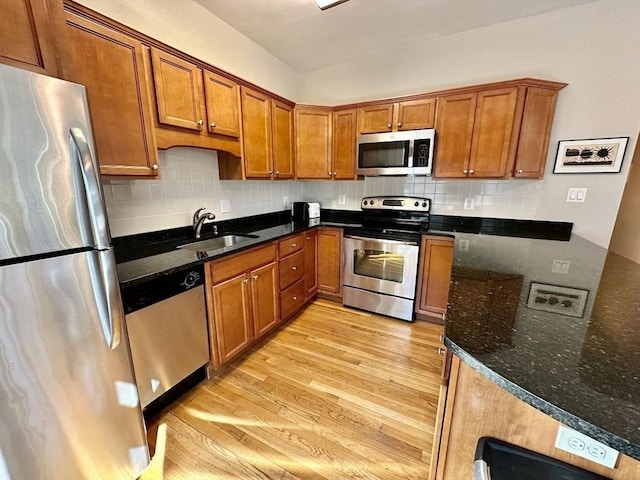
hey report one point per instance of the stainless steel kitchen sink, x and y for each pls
(218, 242)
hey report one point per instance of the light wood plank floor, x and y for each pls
(335, 394)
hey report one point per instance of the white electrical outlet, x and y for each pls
(342, 199)
(586, 447)
(469, 203)
(464, 245)
(576, 195)
(225, 205)
(285, 201)
(560, 266)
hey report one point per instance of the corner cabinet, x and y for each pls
(434, 276)
(30, 37)
(497, 131)
(119, 101)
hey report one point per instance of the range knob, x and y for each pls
(417, 204)
(424, 204)
(371, 202)
(366, 203)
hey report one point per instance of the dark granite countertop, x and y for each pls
(556, 323)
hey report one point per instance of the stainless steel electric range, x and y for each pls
(381, 256)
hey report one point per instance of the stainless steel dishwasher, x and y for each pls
(167, 325)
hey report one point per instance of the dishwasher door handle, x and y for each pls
(381, 240)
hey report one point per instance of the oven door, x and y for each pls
(383, 266)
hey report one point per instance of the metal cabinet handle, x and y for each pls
(294, 268)
(154, 166)
(277, 172)
(520, 171)
(295, 298)
(255, 277)
(334, 173)
(246, 280)
(388, 125)
(444, 316)
(441, 351)
(212, 124)
(465, 171)
(270, 172)
(470, 171)
(399, 124)
(329, 173)
(200, 123)
(294, 245)
(308, 238)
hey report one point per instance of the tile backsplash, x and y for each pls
(189, 180)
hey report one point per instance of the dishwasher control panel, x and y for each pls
(160, 288)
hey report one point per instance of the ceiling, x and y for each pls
(307, 38)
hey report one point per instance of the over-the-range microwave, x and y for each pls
(396, 153)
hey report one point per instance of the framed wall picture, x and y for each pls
(556, 299)
(599, 155)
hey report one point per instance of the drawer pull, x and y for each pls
(294, 268)
(441, 351)
(255, 277)
(442, 338)
(295, 298)
(246, 280)
(308, 238)
(294, 245)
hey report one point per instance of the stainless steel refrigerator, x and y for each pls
(69, 406)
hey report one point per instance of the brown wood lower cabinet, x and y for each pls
(330, 261)
(476, 407)
(243, 301)
(292, 262)
(436, 259)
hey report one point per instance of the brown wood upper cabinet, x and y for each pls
(29, 37)
(195, 107)
(501, 131)
(434, 275)
(325, 143)
(397, 116)
(267, 126)
(118, 97)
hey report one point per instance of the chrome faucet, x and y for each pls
(199, 219)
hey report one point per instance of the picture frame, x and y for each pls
(596, 155)
(557, 299)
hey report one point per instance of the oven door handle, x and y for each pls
(379, 240)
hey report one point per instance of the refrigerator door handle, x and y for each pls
(89, 167)
(106, 290)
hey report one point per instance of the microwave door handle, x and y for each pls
(88, 167)
(410, 159)
(367, 239)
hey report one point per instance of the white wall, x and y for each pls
(593, 47)
(189, 27)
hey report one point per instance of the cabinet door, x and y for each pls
(344, 144)
(492, 133)
(232, 316)
(179, 88)
(313, 142)
(264, 299)
(533, 143)
(222, 98)
(256, 129)
(282, 130)
(119, 100)
(416, 114)
(27, 35)
(375, 118)
(434, 275)
(311, 263)
(330, 260)
(454, 127)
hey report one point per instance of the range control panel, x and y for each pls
(408, 204)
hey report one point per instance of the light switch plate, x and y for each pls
(342, 199)
(586, 447)
(469, 203)
(560, 266)
(576, 195)
(225, 205)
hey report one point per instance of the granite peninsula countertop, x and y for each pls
(556, 323)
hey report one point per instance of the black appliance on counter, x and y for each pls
(381, 256)
(305, 211)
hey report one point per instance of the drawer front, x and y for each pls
(291, 269)
(291, 245)
(292, 299)
(234, 265)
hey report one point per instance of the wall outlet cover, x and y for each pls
(576, 195)
(586, 447)
(469, 203)
(225, 205)
(342, 199)
(285, 201)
